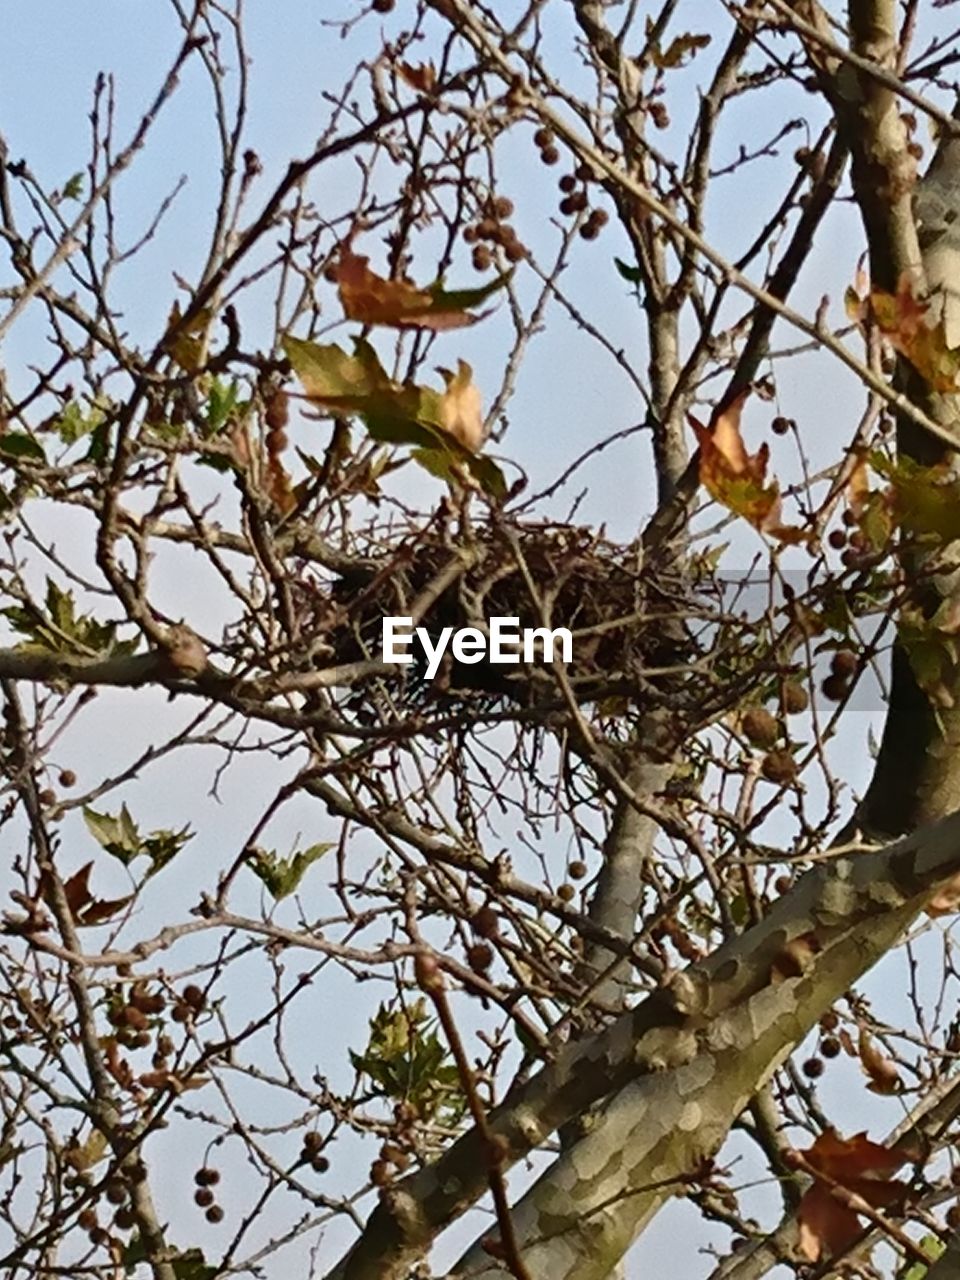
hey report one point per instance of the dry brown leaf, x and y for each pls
(423, 77)
(371, 299)
(461, 410)
(884, 1077)
(843, 1168)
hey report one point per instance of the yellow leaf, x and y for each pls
(905, 322)
(187, 348)
(461, 410)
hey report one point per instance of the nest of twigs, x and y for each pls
(626, 619)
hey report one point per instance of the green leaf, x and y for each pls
(926, 499)
(218, 462)
(393, 414)
(187, 347)
(73, 187)
(189, 1265)
(407, 417)
(16, 444)
(465, 299)
(73, 424)
(61, 609)
(120, 836)
(99, 444)
(59, 630)
(336, 380)
(489, 476)
(407, 1061)
(632, 275)
(739, 909)
(192, 1265)
(162, 847)
(444, 463)
(933, 1248)
(222, 401)
(117, 835)
(135, 1252)
(282, 876)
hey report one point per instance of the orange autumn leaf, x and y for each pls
(738, 479)
(422, 77)
(844, 1168)
(846, 1159)
(372, 299)
(912, 330)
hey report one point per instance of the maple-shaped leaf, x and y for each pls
(335, 380)
(738, 479)
(841, 1168)
(446, 427)
(909, 326)
(371, 299)
(84, 907)
(923, 500)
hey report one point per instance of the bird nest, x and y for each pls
(625, 618)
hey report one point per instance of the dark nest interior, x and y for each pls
(639, 633)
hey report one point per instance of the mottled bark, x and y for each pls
(620, 885)
(675, 1073)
